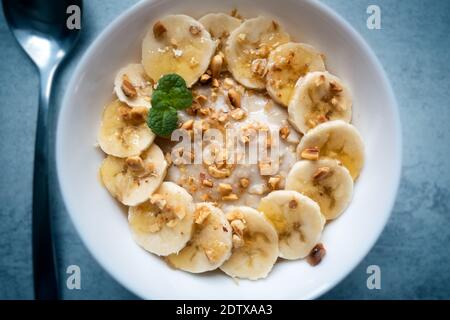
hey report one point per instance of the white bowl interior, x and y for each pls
(102, 222)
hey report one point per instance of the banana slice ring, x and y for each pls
(133, 180)
(220, 26)
(249, 46)
(337, 140)
(319, 97)
(177, 44)
(297, 220)
(210, 245)
(286, 64)
(124, 131)
(255, 244)
(133, 86)
(325, 181)
(163, 225)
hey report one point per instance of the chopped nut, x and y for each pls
(311, 123)
(228, 83)
(204, 111)
(235, 214)
(237, 114)
(293, 204)
(201, 99)
(322, 118)
(237, 241)
(134, 116)
(188, 125)
(154, 227)
(158, 29)
(319, 81)
(135, 163)
(259, 67)
(207, 183)
(201, 213)
(219, 173)
(316, 255)
(138, 167)
(265, 167)
(284, 132)
(222, 117)
(230, 197)
(242, 37)
(194, 30)
(215, 251)
(322, 173)
(205, 78)
(244, 182)
(158, 200)
(180, 212)
(172, 223)
(310, 153)
(128, 89)
(335, 88)
(215, 84)
(225, 189)
(235, 98)
(274, 182)
(193, 62)
(168, 158)
(216, 65)
(238, 227)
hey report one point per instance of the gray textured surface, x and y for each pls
(414, 48)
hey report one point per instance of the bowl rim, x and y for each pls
(327, 11)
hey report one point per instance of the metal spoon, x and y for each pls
(40, 27)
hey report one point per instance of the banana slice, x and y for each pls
(177, 44)
(220, 26)
(319, 97)
(255, 244)
(249, 46)
(124, 131)
(286, 64)
(297, 220)
(325, 181)
(337, 140)
(134, 179)
(133, 86)
(163, 225)
(210, 245)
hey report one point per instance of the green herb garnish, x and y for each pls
(170, 95)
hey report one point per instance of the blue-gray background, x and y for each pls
(413, 251)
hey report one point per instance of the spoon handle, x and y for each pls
(45, 284)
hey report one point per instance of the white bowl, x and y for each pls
(102, 223)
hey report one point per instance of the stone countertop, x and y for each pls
(414, 48)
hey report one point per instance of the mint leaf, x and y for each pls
(162, 121)
(171, 92)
